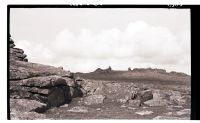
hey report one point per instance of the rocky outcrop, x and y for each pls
(149, 70)
(35, 88)
(16, 54)
(177, 73)
(46, 84)
(23, 70)
(99, 70)
(156, 76)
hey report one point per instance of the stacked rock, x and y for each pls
(16, 53)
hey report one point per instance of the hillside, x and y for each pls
(139, 74)
(40, 91)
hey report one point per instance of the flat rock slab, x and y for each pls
(183, 112)
(168, 113)
(19, 115)
(23, 70)
(131, 108)
(20, 109)
(170, 118)
(45, 81)
(144, 112)
(175, 106)
(64, 106)
(24, 104)
(155, 102)
(25, 89)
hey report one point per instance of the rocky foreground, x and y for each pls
(45, 92)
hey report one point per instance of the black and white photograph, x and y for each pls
(99, 62)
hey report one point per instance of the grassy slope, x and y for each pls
(130, 76)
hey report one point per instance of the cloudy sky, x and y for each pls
(83, 39)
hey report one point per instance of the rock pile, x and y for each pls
(98, 92)
(43, 83)
(16, 53)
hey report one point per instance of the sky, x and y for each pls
(84, 39)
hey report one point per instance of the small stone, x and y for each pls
(131, 108)
(144, 112)
(98, 109)
(80, 109)
(168, 113)
(65, 106)
(121, 100)
(123, 106)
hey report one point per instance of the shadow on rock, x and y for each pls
(57, 96)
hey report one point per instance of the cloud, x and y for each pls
(138, 45)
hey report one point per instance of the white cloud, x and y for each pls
(139, 45)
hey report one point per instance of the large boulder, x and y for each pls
(159, 99)
(92, 87)
(94, 99)
(23, 70)
(59, 95)
(37, 87)
(20, 109)
(134, 103)
(43, 82)
(143, 96)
